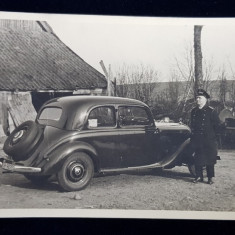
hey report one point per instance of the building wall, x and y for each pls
(16, 108)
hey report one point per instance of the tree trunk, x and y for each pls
(198, 58)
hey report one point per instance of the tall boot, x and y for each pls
(199, 174)
(210, 173)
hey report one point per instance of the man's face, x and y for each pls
(201, 100)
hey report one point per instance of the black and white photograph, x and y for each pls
(117, 116)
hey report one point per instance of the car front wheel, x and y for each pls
(76, 172)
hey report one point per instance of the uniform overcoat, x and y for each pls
(205, 123)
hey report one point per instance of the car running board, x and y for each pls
(160, 164)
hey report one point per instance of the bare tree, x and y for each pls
(232, 93)
(231, 89)
(208, 68)
(185, 73)
(137, 81)
(168, 100)
(185, 70)
(222, 86)
(174, 88)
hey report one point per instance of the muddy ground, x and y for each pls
(170, 190)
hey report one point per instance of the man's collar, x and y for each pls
(204, 107)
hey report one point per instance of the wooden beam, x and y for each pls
(107, 77)
(104, 69)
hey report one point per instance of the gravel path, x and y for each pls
(170, 190)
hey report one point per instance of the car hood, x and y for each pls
(171, 126)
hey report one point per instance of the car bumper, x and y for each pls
(8, 166)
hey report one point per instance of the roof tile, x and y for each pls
(38, 60)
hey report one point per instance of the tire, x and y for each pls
(191, 168)
(76, 172)
(22, 140)
(37, 179)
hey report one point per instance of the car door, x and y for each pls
(102, 128)
(136, 135)
(170, 138)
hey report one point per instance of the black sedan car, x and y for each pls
(75, 137)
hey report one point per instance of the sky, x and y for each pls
(149, 41)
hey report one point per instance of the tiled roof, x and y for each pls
(38, 60)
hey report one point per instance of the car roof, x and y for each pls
(88, 101)
(76, 107)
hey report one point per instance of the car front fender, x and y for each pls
(178, 157)
(54, 160)
(187, 154)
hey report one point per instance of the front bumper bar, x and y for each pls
(19, 168)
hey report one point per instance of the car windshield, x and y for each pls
(51, 113)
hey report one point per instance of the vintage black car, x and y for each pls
(75, 137)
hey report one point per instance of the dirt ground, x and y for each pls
(170, 190)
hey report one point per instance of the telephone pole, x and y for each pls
(198, 58)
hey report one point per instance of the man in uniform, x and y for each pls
(204, 125)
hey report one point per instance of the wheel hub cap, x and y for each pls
(18, 135)
(75, 171)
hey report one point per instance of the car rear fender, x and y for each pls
(54, 160)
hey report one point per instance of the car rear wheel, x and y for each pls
(22, 140)
(76, 172)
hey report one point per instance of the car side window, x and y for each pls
(50, 113)
(132, 115)
(102, 117)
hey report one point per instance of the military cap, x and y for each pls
(201, 92)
